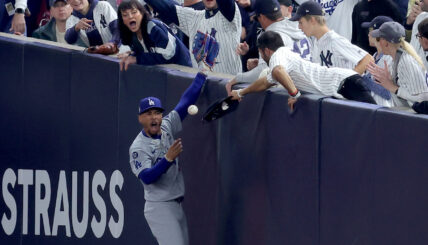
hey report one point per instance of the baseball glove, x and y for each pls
(220, 108)
(106, 49)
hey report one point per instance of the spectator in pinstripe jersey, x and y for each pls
(407, 80)
(221, 15)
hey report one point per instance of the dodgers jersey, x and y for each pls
(228, 35)
(415, 41)
(333, 50)
(338, 14)
(102, 14)
(145, 152)
(308, 76)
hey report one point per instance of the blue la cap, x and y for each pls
(52, 2)
(376, 22)
(308, 8)
(149, 103)
(266, 6)
(390, 31)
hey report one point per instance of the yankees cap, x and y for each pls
(308, 8)
(390, 31)
(266, 6)
(149, 103)
(376, 22)
(285, 2)
(52, 2)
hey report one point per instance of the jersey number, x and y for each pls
(302, 47)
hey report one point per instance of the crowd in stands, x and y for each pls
(372, 51)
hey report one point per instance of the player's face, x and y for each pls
(151, 121)
(132, 19)
(305, 26)
(210, 4)
(372, 41)
(61, 11)
(79, 5)
(423, 41)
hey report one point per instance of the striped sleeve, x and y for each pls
(186, 19)
(411, 76)
(347, 50)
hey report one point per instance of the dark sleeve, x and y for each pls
(190, 96)
(71, 35)
(227, 8)
(159, 36)
(114, 32)
(151, 175)
(166, 10)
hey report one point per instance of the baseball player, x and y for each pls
(295, 73)
(221, 15)
(154, 156)
(338, 15)
(94, 21)
(151, 41)
(414, 41)
(407, 81)
(270, 17)
(329, 48)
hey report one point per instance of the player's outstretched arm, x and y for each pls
(361, 67)
(151, 175)
(259, 85)
(191, 95)
(280, 75)
(166, 10)
(227, 8)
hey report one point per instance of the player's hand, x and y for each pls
(174, 150)
(235, 95)
(252, 63)
(242, 48)
(229, 86)
(18, 23)
(83, 24)
(125, 62)
(291, 102)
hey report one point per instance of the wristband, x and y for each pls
(295, 95)
(238, 92)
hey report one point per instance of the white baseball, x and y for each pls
(192, 110)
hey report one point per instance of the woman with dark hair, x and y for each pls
(151, 41)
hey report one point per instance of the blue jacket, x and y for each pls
(163, 47)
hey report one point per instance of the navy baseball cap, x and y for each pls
(285, 2)
(266, 6)
(52, 2)
(390, 31)
(376, 22)
(308, 8)
(150, 103)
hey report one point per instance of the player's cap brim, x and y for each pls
(151, 108)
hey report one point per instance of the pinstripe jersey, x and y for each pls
(308, 76)
(415, 41)
(228, 35)
(333, 50)
(103, 14)
(380, 61)
(411, 78)
(338, 14)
